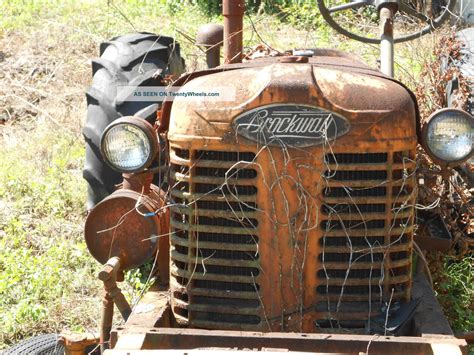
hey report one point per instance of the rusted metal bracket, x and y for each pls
(78, 343)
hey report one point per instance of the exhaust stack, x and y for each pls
(211, 37)
(233, 12)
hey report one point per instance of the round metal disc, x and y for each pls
(116, 228)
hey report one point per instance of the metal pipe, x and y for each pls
(112, 294)
(386, 41)
(121, 302)
(108, 276)
(211, 37)
(106, 321)
(213, 57)
(233, 12)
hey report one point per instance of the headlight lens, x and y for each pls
(448, 135)
(129, 144)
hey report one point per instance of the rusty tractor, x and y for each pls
(281, 219)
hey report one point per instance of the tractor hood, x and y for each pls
(366, 103)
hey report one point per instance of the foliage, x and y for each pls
(435, 80)
(454, 284)
(46, 274)
(302, 14)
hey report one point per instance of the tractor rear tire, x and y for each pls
(47, 344)
(140, 59)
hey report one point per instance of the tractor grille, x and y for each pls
(363, 239)
(367, 230)
(214, 239)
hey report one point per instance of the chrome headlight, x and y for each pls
(129, 144)
(448, 136)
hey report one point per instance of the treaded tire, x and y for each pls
(40, 345)
(139, 59)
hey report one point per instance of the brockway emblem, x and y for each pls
(292, 125)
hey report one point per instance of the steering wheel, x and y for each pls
(418, 20)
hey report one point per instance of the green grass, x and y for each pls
(455, 289)
(47, 277)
